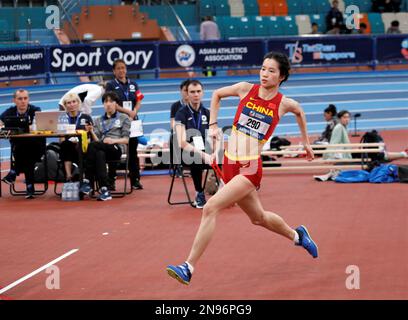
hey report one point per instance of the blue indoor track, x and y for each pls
(380, 97)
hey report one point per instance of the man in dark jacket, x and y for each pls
(26, 151)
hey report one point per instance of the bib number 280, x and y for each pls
(253, 124)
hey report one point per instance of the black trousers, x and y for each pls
(69, 151)
(134, 166)
(197, 175)
(97, 155)
(26, 152)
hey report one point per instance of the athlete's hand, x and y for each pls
(309, 152)
(214, 132)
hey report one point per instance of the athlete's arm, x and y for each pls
(290, 105)
(239, 89)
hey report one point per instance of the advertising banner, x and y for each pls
(92, 58)
(22, 62)
(226, 53)
(325, 50)
(392, 48)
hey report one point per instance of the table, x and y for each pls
(4, 135)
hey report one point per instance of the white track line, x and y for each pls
(15, 283)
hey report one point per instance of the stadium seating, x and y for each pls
(265, 8)
(237, 8)
(322, 6)
(245, 27)
(260, 26)
(251, 8)
(303, 23)
(294, 7)
(222, 8)
(206, 8)
(320, 20)
(275, 26)
(280, 8)
(402, 17)
(377, 25)
(290, 27)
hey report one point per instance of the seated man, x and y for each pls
(26, 151)
(110, 135)
(191, 123)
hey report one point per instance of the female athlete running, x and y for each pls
(260, 108)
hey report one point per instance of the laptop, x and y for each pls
(48, 120)
(16, 124)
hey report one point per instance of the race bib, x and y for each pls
(255, 122)
(199, 142)
(127, 105)
(136, 128)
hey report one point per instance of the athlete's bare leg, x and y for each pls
(235, 190)
(252, 206)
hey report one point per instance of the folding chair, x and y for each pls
(123, 167)
(174, 170)
(15, 192)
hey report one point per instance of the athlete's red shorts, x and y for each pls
(250, 169)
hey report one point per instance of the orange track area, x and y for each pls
(362, 224)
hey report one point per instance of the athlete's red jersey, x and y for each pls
(256, 117)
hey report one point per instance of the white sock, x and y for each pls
(404, 154)
(190, 267)
(296, 238)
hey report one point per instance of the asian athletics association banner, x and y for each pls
(217, 53)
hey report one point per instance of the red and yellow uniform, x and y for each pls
(255, 118)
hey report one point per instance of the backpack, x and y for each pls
(55, 173)
(350, 176)
(373, 137)
(385, 173)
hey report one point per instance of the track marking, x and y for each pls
(16, 283)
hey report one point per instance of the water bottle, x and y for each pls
(75, 191)
(34, 125)
(69, 192)
(62, 123)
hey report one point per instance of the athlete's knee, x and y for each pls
(259, 219)
(209, 209)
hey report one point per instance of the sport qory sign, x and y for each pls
(101, 58)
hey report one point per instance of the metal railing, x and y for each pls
(185, 34)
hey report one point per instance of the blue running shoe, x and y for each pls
(10, 178)
(85, 187)
(181, 273)
(104, 194)
(200, 200)
(306, 241)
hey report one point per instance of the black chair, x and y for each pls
(15, 192)
(121, 168)
(178, 170)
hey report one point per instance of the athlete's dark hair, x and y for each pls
(331, 109)
(115, 63)
(194, 82)
(283, 61)
(342, 113)
(112, 96)
(185, 83)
